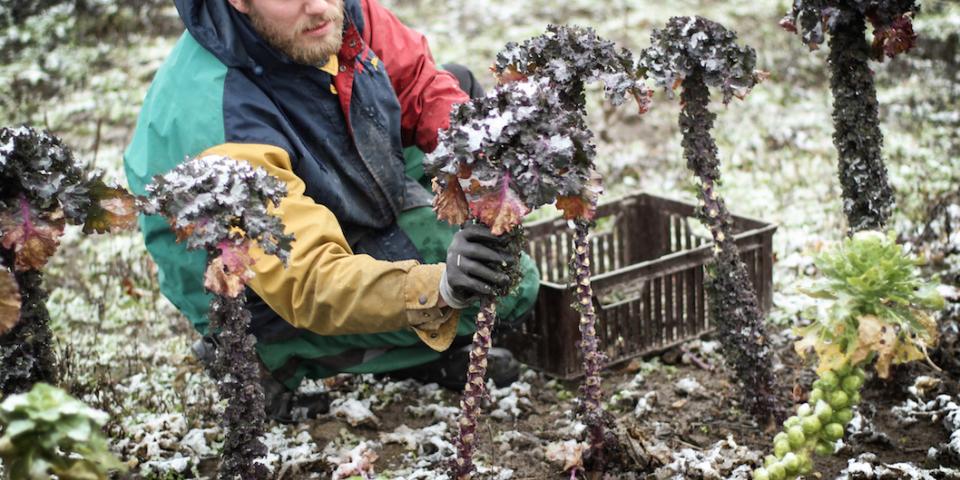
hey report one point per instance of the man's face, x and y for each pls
(308, 31)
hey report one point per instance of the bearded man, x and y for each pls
(338, 99)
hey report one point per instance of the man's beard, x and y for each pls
(300, 48)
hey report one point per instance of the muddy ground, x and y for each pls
(675, 419)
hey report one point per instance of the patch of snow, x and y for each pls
(354, 412)
(724, 460)
(646, 404)
(689, 386)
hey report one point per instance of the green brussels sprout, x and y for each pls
(833, 431)
(823, 411)
(839, 400)
(796, 436)
(829, 380)
(816, 395)
(843, 416)
(810, 425)
(791, 462)
(761, 474)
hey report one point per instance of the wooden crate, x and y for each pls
(647, 258)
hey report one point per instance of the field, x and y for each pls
(82, 73)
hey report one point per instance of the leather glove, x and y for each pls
(475, 263)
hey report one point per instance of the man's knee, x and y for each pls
(468, 82)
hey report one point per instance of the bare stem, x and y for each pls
(475, 389)
(590, 392)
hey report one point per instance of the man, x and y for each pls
(325, 95)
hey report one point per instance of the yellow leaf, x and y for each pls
(877, 336)
(829, 354)
(831, 357)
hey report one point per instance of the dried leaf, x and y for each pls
(500, 209)
(9, 301)
(575, 207)
(230, 271)
(508, 75)
(112, 209)
(568, 453)
(33, 236)
(877, 336)
(450, 202)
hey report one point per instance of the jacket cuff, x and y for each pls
(436, 326)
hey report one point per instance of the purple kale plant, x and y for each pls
(868, 196)
(42, 188)
(525, 145)
(694, 54)
(219, 205)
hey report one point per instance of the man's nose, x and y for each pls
(318, 7)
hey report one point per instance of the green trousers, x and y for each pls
(318, 356)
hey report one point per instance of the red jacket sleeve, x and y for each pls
(426, 94)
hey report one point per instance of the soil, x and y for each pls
(677, 420)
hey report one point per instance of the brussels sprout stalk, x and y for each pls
(42, 188)
(861, 326)
(219, 205)
(868, 198)
(475, 389)
(694, 53)
(591, 393)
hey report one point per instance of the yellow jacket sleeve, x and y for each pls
(328, 289)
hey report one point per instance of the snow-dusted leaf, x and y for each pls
(33, 236)
(112, 209)
(9, 301)
(450, 203)
(500, 209)
(207, 200)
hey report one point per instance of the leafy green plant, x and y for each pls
(219, 205)
(47, 432)
(695, 53)
(523, 146)
(878, 313)
(42, 188)
(868, 196)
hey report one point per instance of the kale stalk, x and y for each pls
(219, 205)
(868, 196)
(694, 53)
(42, 188)
(525, 145)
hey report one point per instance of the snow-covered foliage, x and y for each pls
(212, 199)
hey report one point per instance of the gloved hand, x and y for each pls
(475, 262)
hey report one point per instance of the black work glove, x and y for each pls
(476, 261)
